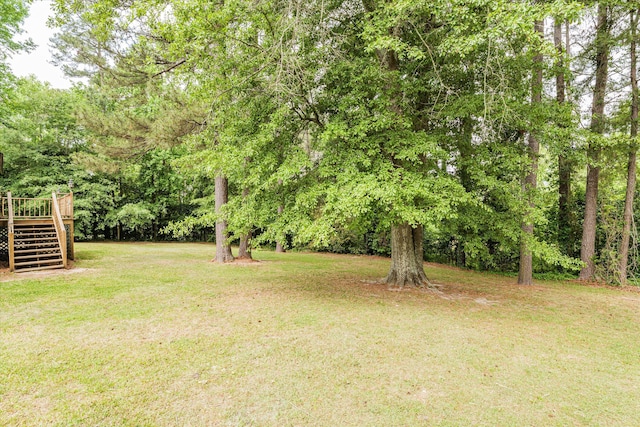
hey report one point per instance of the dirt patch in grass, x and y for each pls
(7, 276)
(243, 262)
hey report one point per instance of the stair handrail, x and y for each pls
(61, 233)
(10, 209)
(65, 202)
(10, 231)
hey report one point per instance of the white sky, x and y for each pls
(37, 62)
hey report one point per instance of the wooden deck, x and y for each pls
(39, 231)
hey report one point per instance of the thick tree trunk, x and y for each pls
(223, 249)
(631, 167)
(407, 267)
(525, 271)
(244, 250)
(407, 259)
(588, 246)
(565, 216)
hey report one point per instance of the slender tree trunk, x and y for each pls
(525, 272)
(223, 249)
(559, 44)
(565, 220)
(244, 250)
(465, 148)
(407, 259)
(588, 246)
(631, 167)
(279, 245)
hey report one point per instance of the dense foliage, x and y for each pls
(335, 124)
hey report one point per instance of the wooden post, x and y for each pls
(72, 250)
(60, 230)
(10, 232)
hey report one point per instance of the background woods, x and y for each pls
(492, 135)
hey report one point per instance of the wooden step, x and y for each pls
(34, 239)
(40, 256)
(39, 251)
(49, 267)
(22, 234)
(36, 250)
(28, 244)
(46, 261)
(32, 233)
(29, 228)
(37, 245)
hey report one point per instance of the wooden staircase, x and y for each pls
(37, 236)
(36, 247)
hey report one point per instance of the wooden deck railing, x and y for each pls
(65, 203)
(36, 207)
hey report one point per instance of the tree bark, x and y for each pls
(588, 245)
(407, 259)
(525, 272)
(279, 245)
(244, 250)
(223, 249)
(565, 216)
(631, 165)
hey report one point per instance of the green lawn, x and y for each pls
(156, 335)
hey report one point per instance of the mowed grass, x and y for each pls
(157, 335)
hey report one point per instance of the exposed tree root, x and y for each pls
(414, 280)
(224, 256)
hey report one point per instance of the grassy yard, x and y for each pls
(156, 335)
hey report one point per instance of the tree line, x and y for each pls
(493, 135)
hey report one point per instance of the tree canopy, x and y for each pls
(405, 128)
